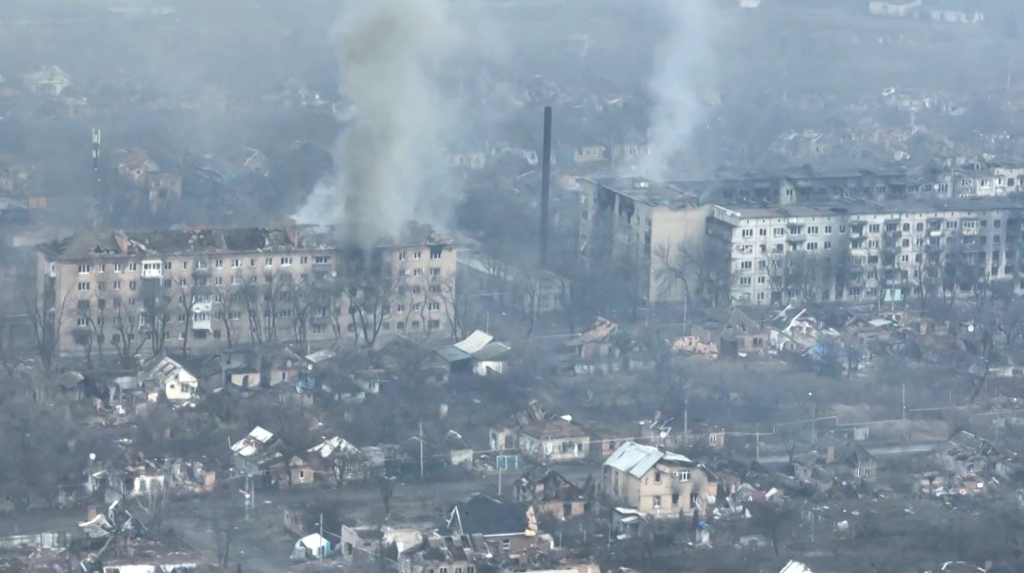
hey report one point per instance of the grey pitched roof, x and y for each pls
(636, 459)
(487, 516)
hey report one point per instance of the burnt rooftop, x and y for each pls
(92, 243)
(417, 235)
(649, 192)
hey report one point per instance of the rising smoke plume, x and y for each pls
(391, 52)
(683, 64)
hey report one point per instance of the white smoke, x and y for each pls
(391, 52)
(683, 66)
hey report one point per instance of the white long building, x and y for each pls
(867, 250)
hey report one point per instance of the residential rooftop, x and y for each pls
(288, 237)
(865, 207)
(636, 459)
(487, 516)
(685, 193)
(649, 192)
(556, 428)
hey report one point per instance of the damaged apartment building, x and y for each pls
(138, 292)
(867, 251)
(653, 226)
(864, 237)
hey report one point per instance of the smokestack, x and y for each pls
(545, 187)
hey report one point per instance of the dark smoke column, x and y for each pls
(390, 52)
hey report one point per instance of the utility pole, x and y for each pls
(421, 450)
(903, 398)
(320, 542)
(812, 526)
(814, 418)
(247, 495)
(1009, 67)
(686, 418)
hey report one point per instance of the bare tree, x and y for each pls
(569, 304)
(386, 486)
(774, 521)
(47, 324)
(98, 325)
(84, 338)
(1011, 322)
(527, 293)
(370, 291)
(154, 502)
(157, 313)
(456, 307)
(186, 299)
(127, 337)
(672, 270)
(224, 531)
(304, 299)
(789, 437)
(7, 358)
(228, 298)
(695, 271)
(261, 303)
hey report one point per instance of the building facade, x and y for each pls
(868, 251)
(631, 226)
(553, 441)
(652, 235)
(658, 483)
(137, 293)
(976, 180)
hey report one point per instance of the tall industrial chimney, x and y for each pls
(545, 188)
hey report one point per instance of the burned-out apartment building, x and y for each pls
(980, 180)
(141, 291)
(762, 240)
(867, 251)
(649, 226)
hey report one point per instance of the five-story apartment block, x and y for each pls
(868, 251)
(143, 292)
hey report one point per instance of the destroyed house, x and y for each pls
(968, 455)
(606, 347)
(554, 440)
(339, 461)
(479, 353)
(437, 554)
(406, 357)
(732, 332)
(170, 378)
(259, 453)
(304, 518)
(670, 433)
(854, 460)
(507, 528)
(551, 493)
(658, 483)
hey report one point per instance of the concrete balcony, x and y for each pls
(152, 269)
